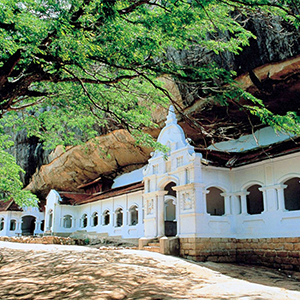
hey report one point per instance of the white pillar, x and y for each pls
(236, 204)
(177, 214)
(18, 226)
(227, 203)
(125, 217)
(204, 204)
(244, 202)
(280, 196)
(37, 225)
(160, 207)
(264, 191)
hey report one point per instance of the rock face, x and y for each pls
(110, 154)
(29, 154)
(269, 68)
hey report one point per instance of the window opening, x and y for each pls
(133, 213)
(255, 202)
(187, 176)
(215, 202)
(119, 217)
(179, 161)
(67, 221)
(292, 194)
(168, 188)
(42, 225)
(84, 221)
(1, 224)
(12, 225)
(95, 219)
(106, 217)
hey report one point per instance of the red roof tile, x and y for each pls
(78, 199)
(9, 205)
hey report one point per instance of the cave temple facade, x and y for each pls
(245, 189)
(232, 190)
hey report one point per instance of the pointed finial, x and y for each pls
(171, 118)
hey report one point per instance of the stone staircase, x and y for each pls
(163, 245)
(154, 246)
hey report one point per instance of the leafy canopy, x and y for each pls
(70, 69)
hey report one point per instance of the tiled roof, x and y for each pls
(9, 205)
(72, 198)
(78, 199)
(234, 159)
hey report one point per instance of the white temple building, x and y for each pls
(243, 189)
(250, 194)
(16, 221)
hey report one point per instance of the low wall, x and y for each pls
(43, 240)
(208, 249)
(283, 253)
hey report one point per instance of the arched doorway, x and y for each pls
(170, 210)
(28, 225)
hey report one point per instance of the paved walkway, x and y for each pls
(31, 271)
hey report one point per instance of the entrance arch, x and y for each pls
(28, 225)
(170, 210)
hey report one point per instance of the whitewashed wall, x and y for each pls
(112, 204)
(17, 216)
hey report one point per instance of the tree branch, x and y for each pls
(8, 67)
(132, 7)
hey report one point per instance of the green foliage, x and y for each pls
(10, 184)
(70, 69)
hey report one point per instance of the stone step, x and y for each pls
(153, 244)
(152, 249)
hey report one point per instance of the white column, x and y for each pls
(113, 219)
(236, 204)
(18, 226)
(280, 196)
(204, 204)
(244, 202)
(227, 203)
(160, 207)
(125, 217)
(177, 214)
(264, 191)
(37, 225)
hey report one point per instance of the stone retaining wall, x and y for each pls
(281, 253)
(211, 249)
(43, 240)
(277, 253)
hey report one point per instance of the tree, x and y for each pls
(66, 65)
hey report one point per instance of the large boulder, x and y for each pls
(110, 154)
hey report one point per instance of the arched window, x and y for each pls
(169, 189)
(84, 221)
(67, 221)
(12, 225)
(255, 202)
(94, 219)
(215, 202)
(106, 217)
(119, 217)
(292, 194)
(1, 224)
(133, 215)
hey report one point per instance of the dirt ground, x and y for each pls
(30, 271)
